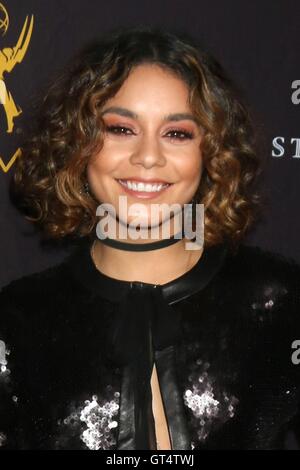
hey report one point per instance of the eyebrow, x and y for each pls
(169, 117)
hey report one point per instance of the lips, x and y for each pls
(144, 188)
(144, 180)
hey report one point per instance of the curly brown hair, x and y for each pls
(49, 178)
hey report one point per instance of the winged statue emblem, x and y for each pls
(9, 57)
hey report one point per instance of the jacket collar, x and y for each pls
(82, 267)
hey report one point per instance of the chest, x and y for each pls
(161, 426)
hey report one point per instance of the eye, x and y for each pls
(180, 134)
(119, 130)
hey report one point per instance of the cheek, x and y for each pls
(111, 159)
(100, 168)
(97, 175)
(190, 167)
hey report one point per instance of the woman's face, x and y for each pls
(151, 152)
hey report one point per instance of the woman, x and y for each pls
(135, 342)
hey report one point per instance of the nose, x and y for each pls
(148, 153)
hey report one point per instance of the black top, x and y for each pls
(77, 350)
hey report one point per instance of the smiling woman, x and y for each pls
(150, 152)
(133, 96)
(140, 344)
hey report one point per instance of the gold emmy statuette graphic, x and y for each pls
(9, 57)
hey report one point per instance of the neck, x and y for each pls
(157, 266)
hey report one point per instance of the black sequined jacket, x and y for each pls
(77, 350)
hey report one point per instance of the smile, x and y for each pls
(143, 189)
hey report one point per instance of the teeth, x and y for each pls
(149, 188)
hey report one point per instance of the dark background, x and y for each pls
(257, 42)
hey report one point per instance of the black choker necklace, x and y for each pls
(122, 245)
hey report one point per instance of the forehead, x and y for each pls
(153, 75)
(150, 87)
(131, 114)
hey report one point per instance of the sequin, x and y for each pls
(3, 353)
(99, 422)
(209, 406)
(269, 297)
(95, 422)
(3, 361)
(2, 439)
(201, 403)
(269, 304)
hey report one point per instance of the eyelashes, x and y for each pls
(123, 131)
